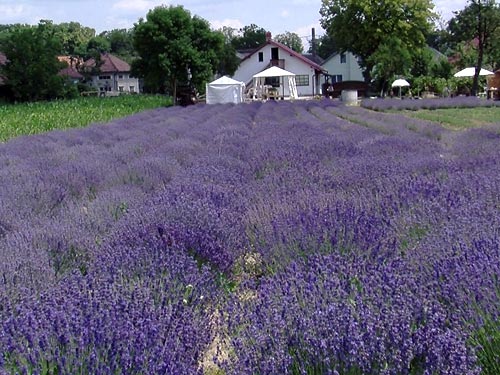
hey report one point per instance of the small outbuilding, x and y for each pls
(225, 90)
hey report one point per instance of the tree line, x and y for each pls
(171, 47)
(391, 37)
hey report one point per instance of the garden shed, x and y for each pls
(224, 90)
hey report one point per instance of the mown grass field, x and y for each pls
(34, 118)
(459, 118)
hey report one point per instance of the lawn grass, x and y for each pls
(39, 117)
(459, 118)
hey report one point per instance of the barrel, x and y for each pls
(350, 96)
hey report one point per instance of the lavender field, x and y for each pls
(264, 238)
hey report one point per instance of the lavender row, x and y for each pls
(262, 238)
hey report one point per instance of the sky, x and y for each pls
(277, 16)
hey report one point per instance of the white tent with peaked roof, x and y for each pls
(224, 90)
(286, 79)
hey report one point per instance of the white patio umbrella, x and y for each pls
(469, 72)
(400, 83)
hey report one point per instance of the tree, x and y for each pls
(392, 58)
(251, 37)
(291, 40)
(325, 46)
(175, 48)
(121, 43)
(361, 26)
(229, 62)
(422, 62)
(32, 67)
(479, 22)
(73, 37)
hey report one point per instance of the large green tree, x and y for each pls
(32, 67)
(228, 60)
(121, 43)
(175, 48)
(479, 24)
(291, 40)
(362, 26)
(249, 37)
(73, 37)
(392, 58)
(325, 46)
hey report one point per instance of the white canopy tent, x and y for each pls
(224, 90)
(286, 79)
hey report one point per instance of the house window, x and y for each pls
(120, 76)
(132, 88)
(302, 80)
(336, 78)
(261, 56)
(343, 58)
(120, 88)
(104, 77)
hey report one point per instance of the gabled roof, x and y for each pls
(288, 50)
(315, 58)
(224, 80)
(110, 64)
(70, 72)
(333, 54)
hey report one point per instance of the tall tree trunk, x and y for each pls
(174, 85)
(480, 46)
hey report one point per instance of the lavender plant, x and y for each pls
(266, 238)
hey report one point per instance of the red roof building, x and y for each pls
(109, 64)
(71, 71)
(111, 76)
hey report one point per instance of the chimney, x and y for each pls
(268, 36)
(313, 42)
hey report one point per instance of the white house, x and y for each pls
(307, 72)
(343, 67)
(112, 76)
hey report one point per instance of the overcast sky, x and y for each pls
(277, 16)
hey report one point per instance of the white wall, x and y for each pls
(116, 81)
(350, 70)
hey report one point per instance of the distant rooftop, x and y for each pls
(110, 64)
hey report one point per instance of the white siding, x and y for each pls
(114, 82)
(350, 70)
